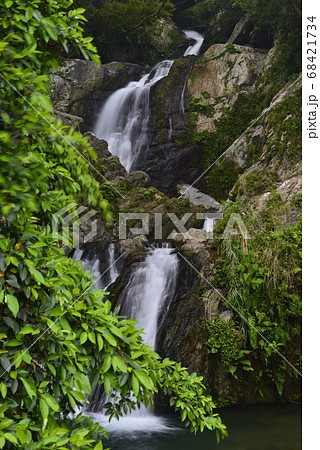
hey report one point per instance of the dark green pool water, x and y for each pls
(249, 427)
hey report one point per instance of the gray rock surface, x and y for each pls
(198, 198)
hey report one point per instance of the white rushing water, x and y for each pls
(93, 265)
(123, 121)
(208, 224)
(149, 288)
(193, 49)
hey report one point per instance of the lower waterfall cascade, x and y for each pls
(149, 292)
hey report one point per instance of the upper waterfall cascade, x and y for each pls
(123, 121)
(193, 49)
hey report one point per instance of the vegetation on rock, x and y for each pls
(261, 277)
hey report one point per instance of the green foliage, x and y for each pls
(199, 13)
(58, 338)
(225, 340)
(285, 120)
(255, 183)
(263, 279)
(197, 106)
(129, 28)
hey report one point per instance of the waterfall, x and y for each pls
(181, 109)
(92, 263)
(114, 272)
(208, 224)
(123, 121)
(150, 287)
(170, 131)
(193, 49)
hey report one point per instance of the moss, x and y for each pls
(222, 178)
(285, 121)
(197, 106)
(255, 183)
(205, 95)
(230, 48)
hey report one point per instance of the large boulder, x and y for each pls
(216, 81)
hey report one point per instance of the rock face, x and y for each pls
(266, 153)
(198, 198)
(224, 72)
(182, 335)
(81, 87)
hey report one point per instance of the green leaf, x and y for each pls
(83, 382)
(11, 438)
(26, 330)
(13, 304)
(52, 369)
(120, 363)
(110, 339)
(52, 402)
(3, 390)
(83, 337)
(44, 409)
(36, 274)
(29, 387)
(106, 363)
(135, 385)
(5, 363)
(144, 379)
(100, 342)
(107, 385)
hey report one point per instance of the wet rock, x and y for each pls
(69, 119)
(137, 244)
(100, 147)
(139, 178)
(167, 160)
